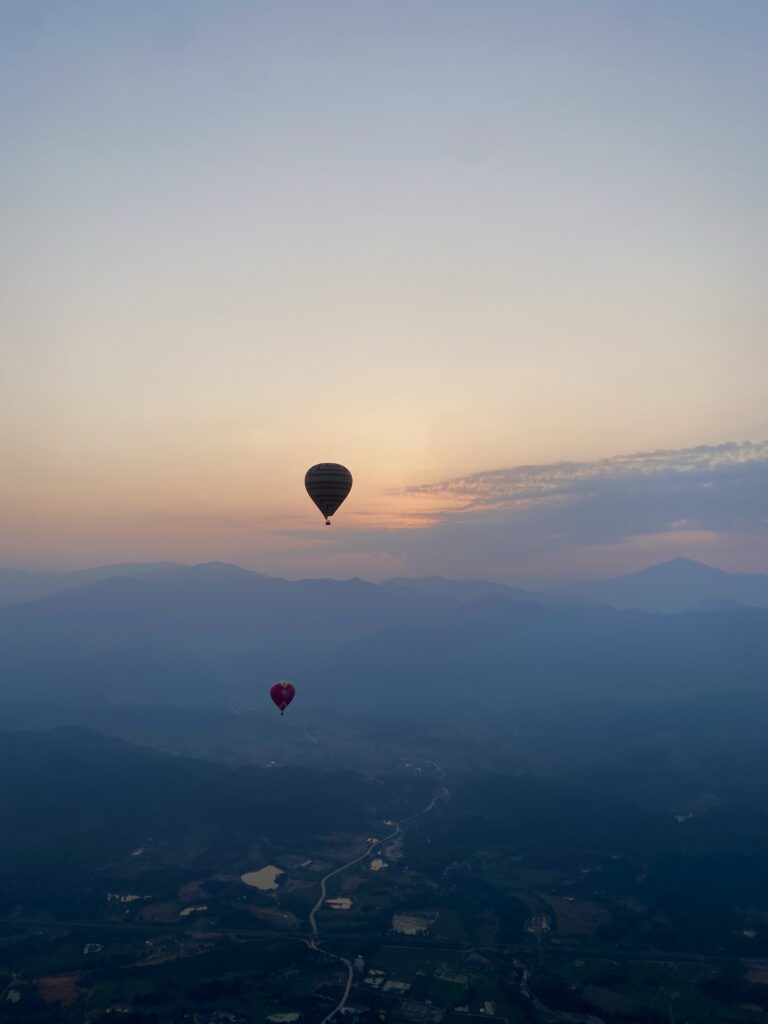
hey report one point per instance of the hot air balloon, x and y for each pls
(282, 694)
(328, 484)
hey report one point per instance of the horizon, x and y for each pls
(532, 525)
(514, 583)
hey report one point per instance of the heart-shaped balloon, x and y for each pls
(282, 694)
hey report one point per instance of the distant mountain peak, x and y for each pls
(680, 565)
(225, 568)
(675, 585)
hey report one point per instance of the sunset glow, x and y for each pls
(425, 243)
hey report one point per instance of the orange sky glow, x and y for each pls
(239, 239)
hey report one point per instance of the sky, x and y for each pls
(502, 258)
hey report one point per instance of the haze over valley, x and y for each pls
(559, 780)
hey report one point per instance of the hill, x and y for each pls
(673, 586)
(196, 636)
(20, 585)
(478, 590)
(77, 800)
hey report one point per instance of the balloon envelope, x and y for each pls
(282, 694)
(328, 484)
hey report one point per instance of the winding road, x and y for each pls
(314, 941)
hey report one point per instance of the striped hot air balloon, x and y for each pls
(328, 484)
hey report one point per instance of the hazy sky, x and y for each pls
(433, 240)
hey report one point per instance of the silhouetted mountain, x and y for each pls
(193, 633)
(671, 586)
(19, 585)
(476, 590)
(674, 586)
(716, 604)
(197, 635)
(501, 658)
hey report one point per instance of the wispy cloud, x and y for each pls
(519, 486)
(571, 519)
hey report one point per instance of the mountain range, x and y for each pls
(674, 586)
(671, 586)
(195, 636)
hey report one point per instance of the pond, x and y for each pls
(264, 879)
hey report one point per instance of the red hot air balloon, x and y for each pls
(328, 484)
(282, 694)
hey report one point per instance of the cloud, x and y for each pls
(568, 519)
(520, 486)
